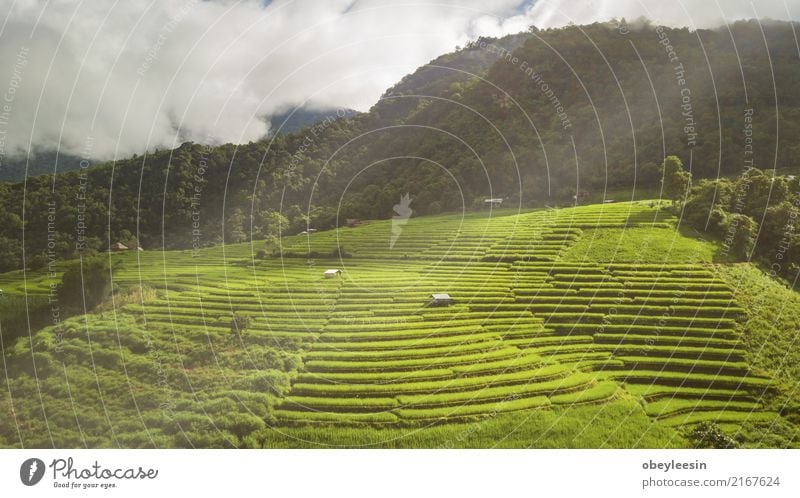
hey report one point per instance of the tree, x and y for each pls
(241, 424)
(779, 239)
(649, 174)
(85, 283)
(709, 435)
(266, 381)
(704, 208)
(275, 224)
(674, 179)
(755, 190)
(10, 254)
(37, 262)
(740, 236)
(239, 323)
(235, 227)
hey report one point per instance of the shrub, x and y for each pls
(242, 424)
(266, 381)
(239, 323)
(85, 283)
(37, 262)
(709, 435)
(741, 231)
(18, 312)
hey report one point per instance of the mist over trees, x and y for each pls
(531, 118)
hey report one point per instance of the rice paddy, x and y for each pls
(537, 322)
(526, 331)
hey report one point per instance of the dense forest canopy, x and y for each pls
(531, 118)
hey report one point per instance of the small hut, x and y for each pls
(118, 247)
(333, 272)
(494, 202)
(351, 222)
(441, 299)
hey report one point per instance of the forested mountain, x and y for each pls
(15, 168)
(297, 118)
(530, 117)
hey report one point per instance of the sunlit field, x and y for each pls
(594, 326)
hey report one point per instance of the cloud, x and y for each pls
(691, 13)
(103, 79)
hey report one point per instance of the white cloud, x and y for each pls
(691, 13)
(136, 75)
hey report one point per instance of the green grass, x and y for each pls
(617, 424)
(382, 365)
(333, 417)
(651, 245)
(489, 394)
(600, 392)
(472, 410)
(337, 404)
(771, 331)
(702, 380)
(721, 416)
(478, 342)
(674, 406)
(457, 384)
(656, 391)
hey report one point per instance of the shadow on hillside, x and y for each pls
(720, 254)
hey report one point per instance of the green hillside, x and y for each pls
(594, 326)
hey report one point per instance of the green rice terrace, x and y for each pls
(595, 326)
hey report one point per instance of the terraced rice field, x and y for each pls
(529, 329)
